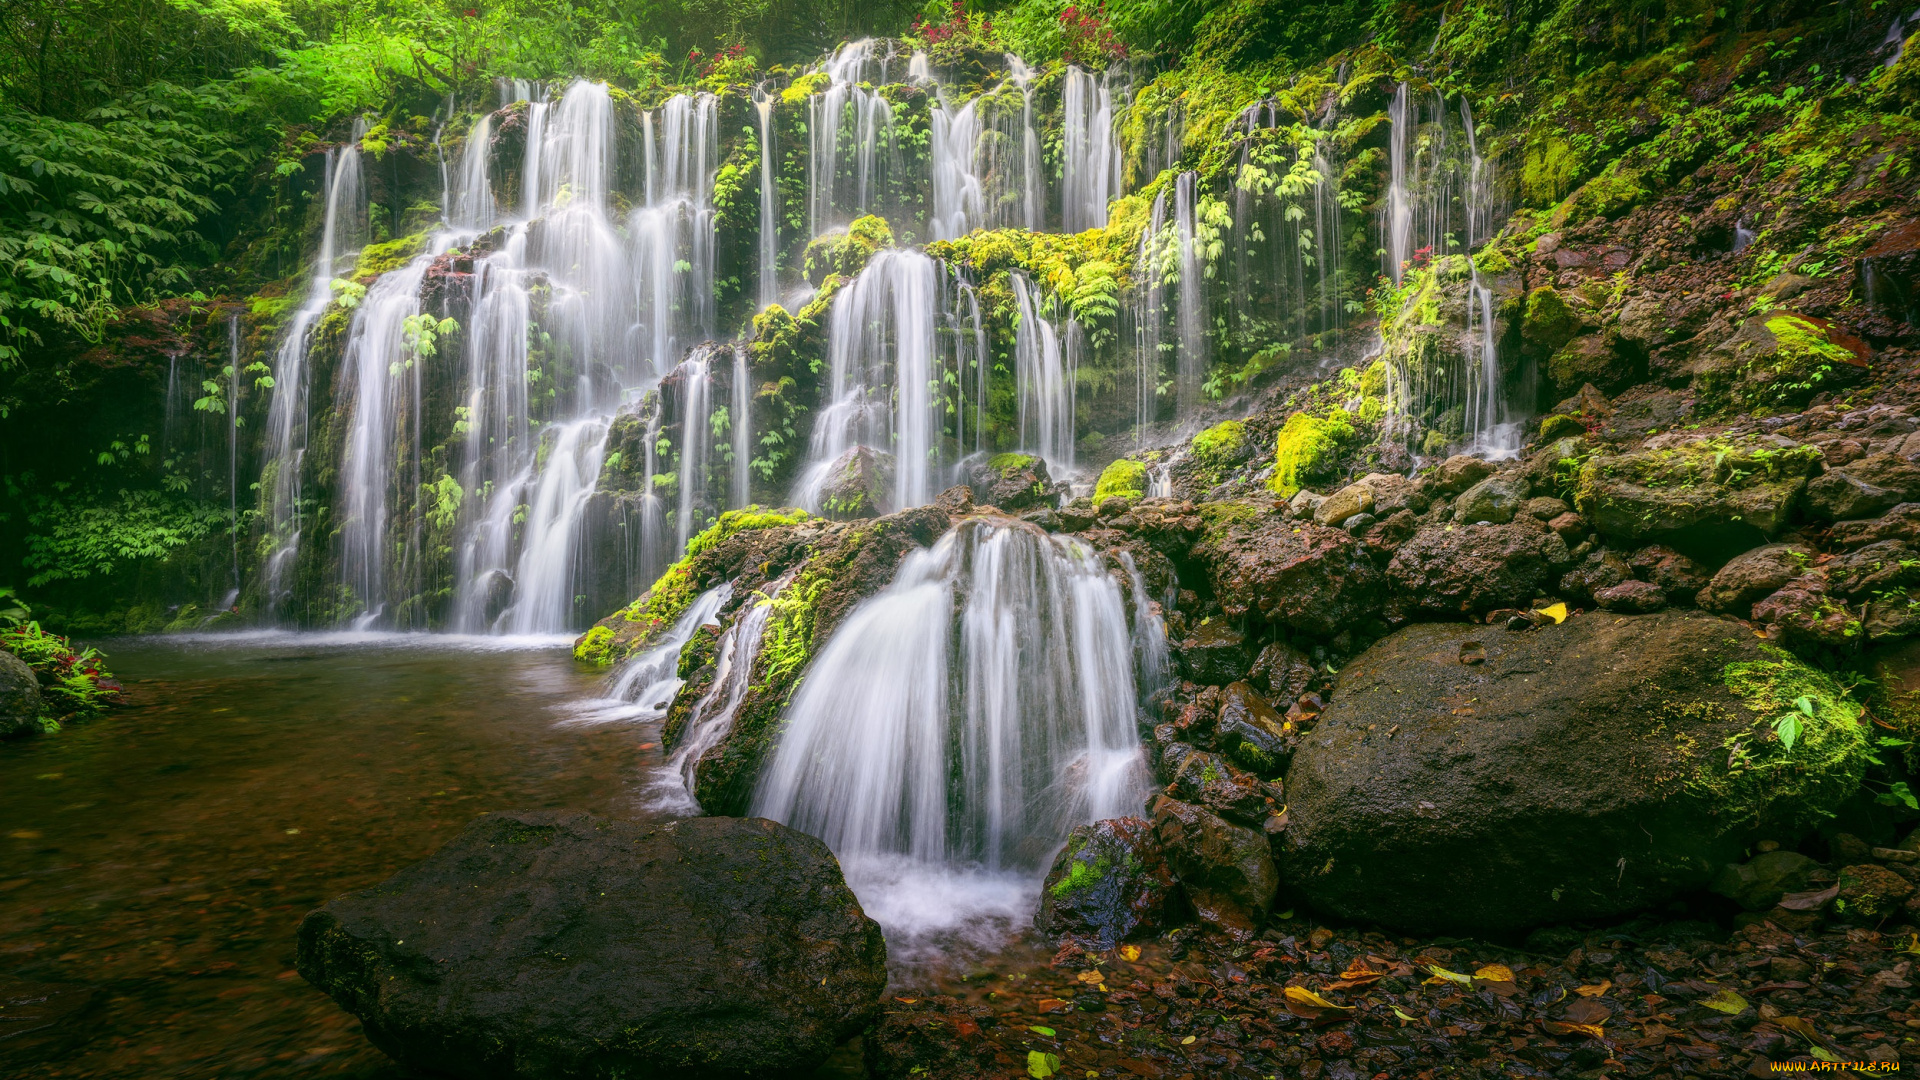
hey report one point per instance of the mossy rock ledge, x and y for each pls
(1578, 771)
(553, 944)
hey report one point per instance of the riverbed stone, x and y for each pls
(1311, 579)
(1109, 883)
(1252, 732)
(1214, 654)
(1471, 780)
(859, 485)
(19, 697)
(1635, 597)
(1210, 781)
(1495, 500)
(1759, 883)
(1350, 501)
(1011, 482)
(1282, 672)
(558, 944)
(1226, 870)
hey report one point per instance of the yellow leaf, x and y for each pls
(1495, 973)
(1556, 611)
(1129, 952)
(1595, 990)
(1441, 974)
(1188, 1041)
(1403, 1016)
(1090, 977)
(1726, 1001)
(1042, 1065)
(1303, 996)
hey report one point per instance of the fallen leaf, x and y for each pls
(906, 1001)
(1726, 1001)
(1809, 901)
(1129, 952)
(1556, 611)
(1300, 995)
(1595, 990)
(1588, 1011)
(1495, 973)
(964, 1026)
(1040, 1030)
(1796, 1025)
(1442, 975)
(1288, 914)
(1091, 977)
(1403, 1016)
(1188, 1041)
(1591, 1030)
(1042, 1065)
(1047, 1005)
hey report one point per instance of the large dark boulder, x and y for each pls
(19, 696)
(1473, 569)
(1227, 870)
(1108, 884)
(1312, 579)
(556, 944)
(1578, 771)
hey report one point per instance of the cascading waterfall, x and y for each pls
(1191, 365)
(548, 552)
(1043, 381)
(987, 167)
(1089, 152)
(1149, 321)
(1397, 228)
(880, 345)
(233, 441)
(960, 722)
(850, 137)
(1495, 434)
(960, 308)
(740, 428)
(342, 233)
(711, 717)
(642, 688)
(696, 382)
(769, 216)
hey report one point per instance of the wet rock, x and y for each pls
(1460, 472)
(1209, 781)
(559, 944)
(1358, 524)
(1897, 617)
(1900, 523)
(1304, 504)
(1588, 359)
(1601, 569)
(1495, 500)
(1569, 527)
(1109, 883)
(1870, 893)
(1709, 498)
(1252, 732)
(1776, 361)
(1841, 496)
(1169, 750)
(920, 1041)
(1874, 569)
(1631, 597)
(1751, 576)
(1759, 884)
(1393, 492)
(1215, 655)
(1226, 870)
(42, 1022)
(1803, 614)
(1313, 580)
(19, 697)
(859, 485)
(1282, 671)
(1677, 575)
(1011, 482)
(1544, 508)
(1473, 569)
(1349, 501)
(1439, 794)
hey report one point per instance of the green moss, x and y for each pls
(1082, 876)
(1754, 774)
(1548, 322)
(846, 253)
(593, 646)
(1124, 477)
(376, 259)
(1007, 464)
(1784, 368)
(1220, 446)
(1305, 449)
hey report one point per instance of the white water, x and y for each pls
(1190, 367)
(711, 717)
(850, 136)
(1089, 152)
(696, 385)
(1397, 228)
(769, 239)
(960, 722)
(1043, 381)
(1495, 434)
(987, 166)
(740, 428)
(880, 346)
(642, 688)
(341, 235)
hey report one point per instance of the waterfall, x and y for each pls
(1043, 382)
(1481, 211)
(880, 345)
(711, 718)
(643, 686)
(849, 128)
(769, 217)
(1398, 226)
(1150, 316)
(1191, 364)
(234, 375)
(696, 378)
(961, 721)
(675, 229)
(960, 308)
(341, 234)
(986, 160)
(1089, 153)
(1494, 434)
(472, 207)
(740, 428)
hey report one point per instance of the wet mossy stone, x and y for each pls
(19, 697)
(1109, 883)
(1709, 498)
(1578, 771)
(558, 944)
(1124, 477)
(1011, 482)
(1215, 654)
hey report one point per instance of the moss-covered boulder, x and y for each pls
(1220, 448)
(845, 251)
(859, 484)
(1307, 449)
(1124, 477)
(1011, 482)
(1775, 363)
(1711, 497)
(1474, 780)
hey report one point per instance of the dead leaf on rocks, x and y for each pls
(1596, 990)
(1809, 901)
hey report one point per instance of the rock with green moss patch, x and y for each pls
(1125, 477)
(1775, 363)
(1710, 498)
(1109, 883)
(1549, 323)
(1220, 448)
(1650, 738)
(1307, 450)
(19, 697)
(845, 252)
(859, 484)
(1012, 482)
